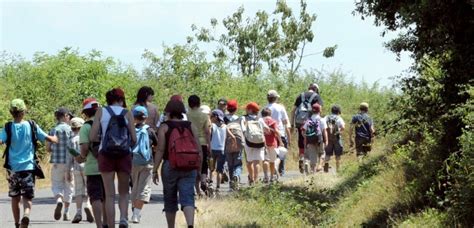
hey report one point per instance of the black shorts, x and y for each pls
(363, 146)
(205, 163)
(334, 148)
(21, 184)
(95, 188)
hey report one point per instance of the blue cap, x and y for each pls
(140, 111)
(219, 114)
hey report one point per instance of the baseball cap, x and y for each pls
(62, 111)
(89, 103)
(140, 111)
(205, 109)
(222, 101)
(219, 114)
(316, 108)
(252, 106)
(17, 105)
(232, 105)
(273, 93)
(364, 105)
(77, 122)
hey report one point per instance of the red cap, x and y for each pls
(252, 106)
(90, 103)
(316, 108)
(176, 97)
(232, 104)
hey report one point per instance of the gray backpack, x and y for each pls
(116, 142)
(304, 110)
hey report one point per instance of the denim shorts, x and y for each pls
(177, 182)
(219, 159)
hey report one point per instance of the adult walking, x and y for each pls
(301, 112)
(113, 124)
(279, 114)
(145, 97)
(179, 150)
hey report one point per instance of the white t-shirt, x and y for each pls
(339, 121)
(219, 135)
(279, 114)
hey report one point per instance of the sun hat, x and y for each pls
(273, 93)
(17, 105)
(77, 122)
(364, 105)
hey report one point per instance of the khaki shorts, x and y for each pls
(313, 153)
(141, 179)
(271, 154)
(79, 183)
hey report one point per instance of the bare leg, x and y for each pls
(109, 187)
(256, 166)
(338, 163)
(189, 215)
(265, 169)
(272, 169)
(27, 204)
(16, 208)
(79, 200)
(218, 179)
(170, 219)
(123, 189)
(97, 210)
(250, 171)
(138, 204)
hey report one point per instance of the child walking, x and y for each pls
(219, 133)
(20, 137)
(142, 163)
(272, 140)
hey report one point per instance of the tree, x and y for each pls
(277, 40)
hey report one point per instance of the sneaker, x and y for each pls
(57, 211)
(265, 180)
(89, 216)
(326, 167)
(301, 166)
(25, 222)
(123, 223)
(136, 219)
(66, 217)
(105, 226)
(17, 225)
(77, 218)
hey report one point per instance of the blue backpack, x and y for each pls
(313, 132)
(116, 143)
(142, 150)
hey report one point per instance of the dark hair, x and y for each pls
(115, 95)
(177, 115)
(266, 112)
(336, 109)
(16, 113)
(194, 101)
(140, 117)
(143, 94)
(90, 112)
(363, 109)
(272, 99)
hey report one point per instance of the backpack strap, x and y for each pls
(302, 98)
(34, 140)
(110, 111)
(312, 98)
(124, 112)
(8, 130)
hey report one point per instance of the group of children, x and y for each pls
(81, 167)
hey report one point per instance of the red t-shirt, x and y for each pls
(270, 137)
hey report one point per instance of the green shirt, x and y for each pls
(200, 121)
(91, 166)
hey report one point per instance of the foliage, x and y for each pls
(277, 40)
(434, 106)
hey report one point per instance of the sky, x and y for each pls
(123, 29)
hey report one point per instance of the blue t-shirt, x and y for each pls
(363, 124)
(21, 153)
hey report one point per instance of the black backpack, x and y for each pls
(38, 172)
(116, 142)
(333, 130)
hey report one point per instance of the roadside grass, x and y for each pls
(426, 218)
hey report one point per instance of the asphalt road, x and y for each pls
(44, 204)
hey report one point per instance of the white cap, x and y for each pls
(205, 109)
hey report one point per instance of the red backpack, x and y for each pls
(183, 151)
